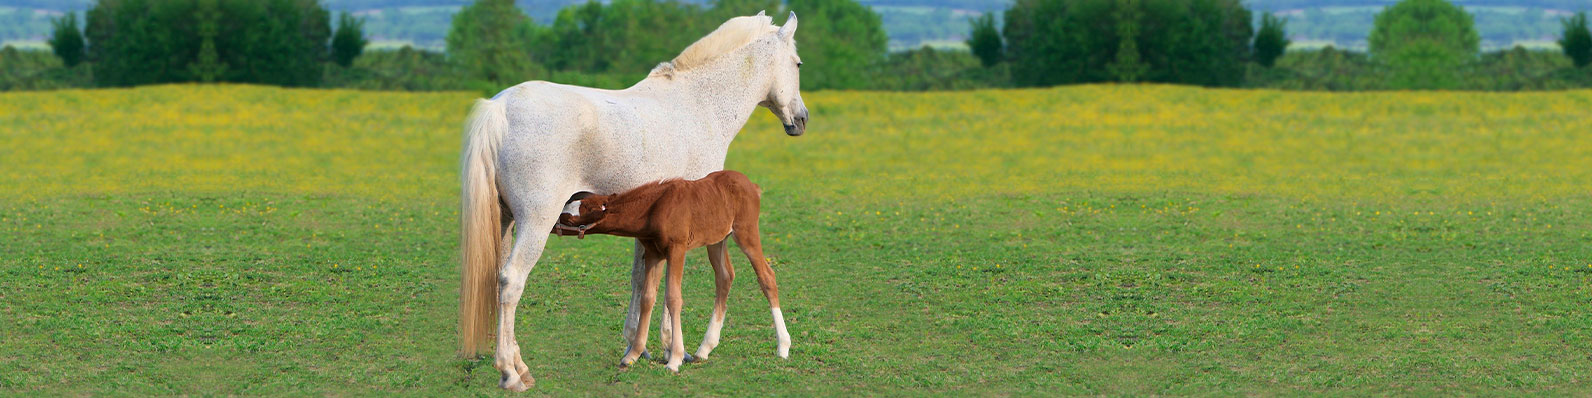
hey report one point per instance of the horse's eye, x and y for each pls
(798, 64)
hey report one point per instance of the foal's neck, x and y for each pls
(628, 213)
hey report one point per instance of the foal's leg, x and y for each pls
(752, 246)
(666, 330)
(666, 325)
(676, 341)
(639, 280)
(648, 294)
(723, 274)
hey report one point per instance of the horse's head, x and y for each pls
(784, 96)
(584, 209)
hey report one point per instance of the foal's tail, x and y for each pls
(480, 215)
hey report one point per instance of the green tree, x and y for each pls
(136, 42)
(67, 40)
(279, 42)
(1271, 41)
(1127, 67)
(1200, 42)
(1203, 42)
(985, 40)
(1577, 40)
(624, 36)
(839, 40)
(491, 40)
(1424, 43)
(1050, 42)
(349, 41)
(208, 67)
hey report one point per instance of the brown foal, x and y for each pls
(669, 218)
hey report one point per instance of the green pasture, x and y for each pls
(1091, 240)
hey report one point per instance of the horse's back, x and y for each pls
(540, 153)
(540, 108)
(563, 139)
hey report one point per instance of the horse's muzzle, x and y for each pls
(798, 128)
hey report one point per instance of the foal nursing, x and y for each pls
(670, 218)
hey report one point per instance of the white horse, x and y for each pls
(534, 145)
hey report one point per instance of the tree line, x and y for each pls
(619, 42)
(491, 44)
(1415, 44)
(1433, 44)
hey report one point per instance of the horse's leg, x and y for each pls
(723, 274)
(676, 345)
(527, 249)
(652, 272)
(638, 282)
(752, 246)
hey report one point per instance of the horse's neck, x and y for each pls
(724, 93)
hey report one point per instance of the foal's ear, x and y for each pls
(579, 196)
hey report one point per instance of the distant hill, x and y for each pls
(1345, 23)
(909, 23)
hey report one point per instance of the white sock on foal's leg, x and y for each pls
(711, 339)
(779, 330)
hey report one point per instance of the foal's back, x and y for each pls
(704, 211)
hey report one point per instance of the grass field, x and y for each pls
(1096, 240)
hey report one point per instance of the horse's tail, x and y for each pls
(480, 217)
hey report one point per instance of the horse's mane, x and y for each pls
(731, 36)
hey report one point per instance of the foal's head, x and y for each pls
(585, 208)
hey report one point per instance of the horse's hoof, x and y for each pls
(665, 357)
(524, 382)
(644, 355)
(516, 387)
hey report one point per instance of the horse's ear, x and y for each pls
(788, 31)
(579, 196)
(760, 13)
